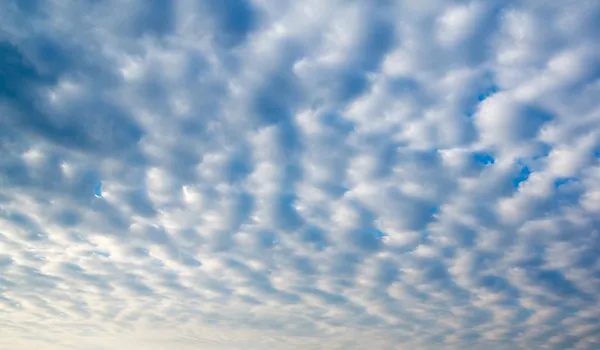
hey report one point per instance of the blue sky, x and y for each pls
(272, 174)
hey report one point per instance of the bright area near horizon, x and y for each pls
(271, 174)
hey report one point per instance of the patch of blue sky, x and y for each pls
(487, 93)
(98, 191)
(483, 158)
(564, 180)
(379, 235)
(523, 176)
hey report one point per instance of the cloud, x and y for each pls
(283, 175)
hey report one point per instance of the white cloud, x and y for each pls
(284, 175)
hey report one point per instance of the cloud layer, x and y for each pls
(338, 174)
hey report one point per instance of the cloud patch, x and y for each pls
(283, 175)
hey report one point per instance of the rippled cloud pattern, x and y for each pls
(317, 174)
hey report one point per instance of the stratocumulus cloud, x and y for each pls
(271, 174)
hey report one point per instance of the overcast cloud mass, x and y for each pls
(316, 174)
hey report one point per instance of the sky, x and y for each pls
(316, 174)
